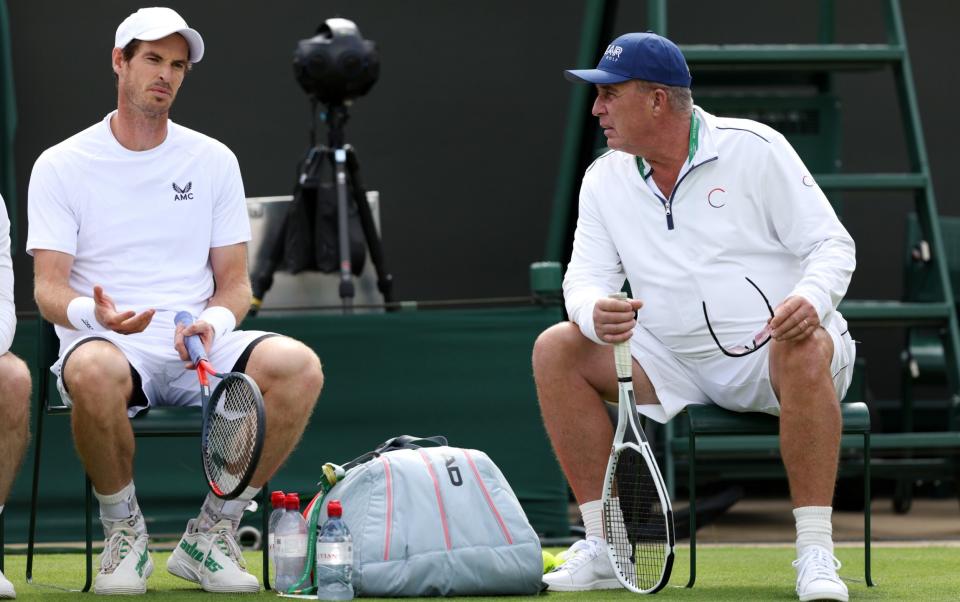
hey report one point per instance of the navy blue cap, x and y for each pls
(645, 56)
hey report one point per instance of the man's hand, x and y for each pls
(614, 319)
(128, 322)
(794, 320)
(206, 332)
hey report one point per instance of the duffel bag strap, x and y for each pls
(409, 442)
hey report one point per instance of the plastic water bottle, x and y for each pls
(277, 501)
(334, 572)
(291, 544)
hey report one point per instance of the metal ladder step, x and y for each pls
(828, 57)
(888, 313)
(872, 181)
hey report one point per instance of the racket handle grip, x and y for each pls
(621, 351)
(193, 342)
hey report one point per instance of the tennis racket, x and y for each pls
(637, 516)
(234, 424)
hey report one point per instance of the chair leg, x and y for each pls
(88, 509)
(867, 536)
(265, 517)
(669, 462)
(692, 477)
(34, 495)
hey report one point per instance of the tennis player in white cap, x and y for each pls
(132, 220)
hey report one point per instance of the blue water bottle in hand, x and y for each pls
(334, 574)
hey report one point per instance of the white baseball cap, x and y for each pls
(157, 22)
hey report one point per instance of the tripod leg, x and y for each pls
(343, 232)
(384, 278)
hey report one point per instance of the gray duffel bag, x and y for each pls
(435, 521)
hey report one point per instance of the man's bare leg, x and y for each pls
(98, 379)
(810, 430)
(810, 423)
(574, 376)
(15, 388)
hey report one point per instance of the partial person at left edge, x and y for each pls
(132, 220)
(14, 385)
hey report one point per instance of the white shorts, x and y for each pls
(164, 379)
(740, 384)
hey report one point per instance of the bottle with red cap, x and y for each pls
(291, 544)
(277, 502)
(334, 553)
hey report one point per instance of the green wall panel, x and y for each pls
(461, 373)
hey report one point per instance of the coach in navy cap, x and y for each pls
(738, 263)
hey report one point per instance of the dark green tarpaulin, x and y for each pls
(8, 122)
(465, 374)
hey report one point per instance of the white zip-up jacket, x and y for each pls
(744, 206)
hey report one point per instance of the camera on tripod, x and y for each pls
(322, 230)
(337, 64)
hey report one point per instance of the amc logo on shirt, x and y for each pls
(183, 193)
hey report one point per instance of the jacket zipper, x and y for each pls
(668, 204)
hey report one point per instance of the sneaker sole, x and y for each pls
(120, 591)
(253, 588)
(593, 585)
(825, 596)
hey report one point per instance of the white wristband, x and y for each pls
(82, 314)
(221, 318)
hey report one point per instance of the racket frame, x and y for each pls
(628, 427)
(204, 368)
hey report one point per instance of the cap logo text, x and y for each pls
(613, 52)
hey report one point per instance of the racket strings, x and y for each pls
(635, 522)
(232, 434)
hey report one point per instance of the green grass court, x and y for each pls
(723, 573)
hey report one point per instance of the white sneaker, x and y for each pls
(6, 588)
(817, 577)
(213, 559)
(125, 563)
(587, 567)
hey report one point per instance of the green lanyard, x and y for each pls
(694, 135)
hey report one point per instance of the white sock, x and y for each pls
(1, 508)
(813, 527)
(216, 509)
(116, 506)
(592, 513)
(121, 506)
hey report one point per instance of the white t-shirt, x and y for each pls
(746, 208)
(8, 314)
(140, 224)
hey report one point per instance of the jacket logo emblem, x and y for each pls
(714, 198)
(183, 193)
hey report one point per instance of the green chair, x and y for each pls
(752, 440)
(157, 422)
(711, 430)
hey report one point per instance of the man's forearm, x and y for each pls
(53, 300)
(236, 297)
